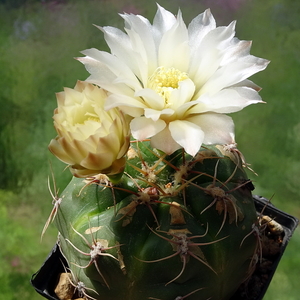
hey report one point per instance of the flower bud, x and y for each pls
(90, 139)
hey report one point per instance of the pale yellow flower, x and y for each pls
(90, 139)
(178, 82)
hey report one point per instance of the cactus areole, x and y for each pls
(172, 227)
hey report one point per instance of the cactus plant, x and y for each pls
(172, 226)
(160, 206)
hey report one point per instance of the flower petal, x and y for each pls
(175, 41)
(162, 22)
(247, 83)
(235, 50)
(208, 55)
(58, 150)
(151, 98)
(199, 28)
(140, 33)
(135, 107)
(226, 101)
(234, 73)
(143, 128)
(188, 135)
(164, 142)
(218, 128)
(183, 94)
(113, 63)
(121, 45)
(155, 114)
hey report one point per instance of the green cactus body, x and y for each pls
(174, 227)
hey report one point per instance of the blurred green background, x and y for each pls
(38, 40)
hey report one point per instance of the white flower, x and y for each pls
(177, 82)
(90, 139)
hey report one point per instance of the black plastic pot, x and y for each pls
(45, 280)
(256, 287)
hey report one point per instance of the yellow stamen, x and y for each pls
(92, 117)
(165, 80)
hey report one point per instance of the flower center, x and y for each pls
(92, 117)
(165, 80)
(81, 118)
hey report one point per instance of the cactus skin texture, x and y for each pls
(174, 227)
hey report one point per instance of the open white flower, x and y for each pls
(90, 139)
(177, 82)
